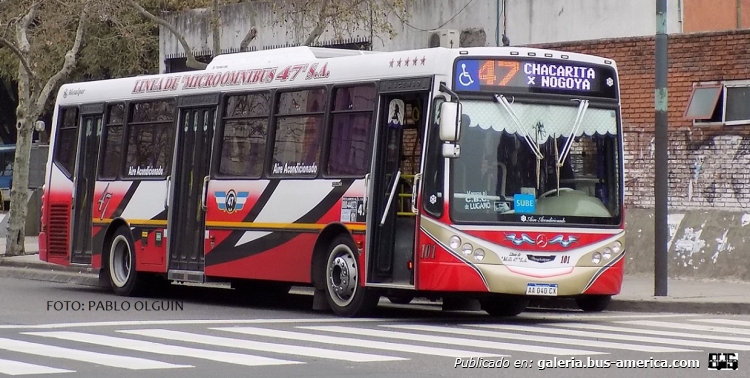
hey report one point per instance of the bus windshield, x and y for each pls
(534, 162)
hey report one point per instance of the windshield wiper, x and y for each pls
(583, 105)
(522, 130)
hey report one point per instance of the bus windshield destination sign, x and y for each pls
(534, 76)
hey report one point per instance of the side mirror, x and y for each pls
(450, 121)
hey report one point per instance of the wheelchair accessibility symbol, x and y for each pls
(466, 71)
(465, 78)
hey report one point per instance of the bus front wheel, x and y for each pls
(123, 276)
(345, 294)
(593, 303)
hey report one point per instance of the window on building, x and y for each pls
(112, 147)
(243, 143)
(724, 103)
(351, 118)
(150, 139)
(299, 125)
(66, 143)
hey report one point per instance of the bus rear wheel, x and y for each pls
(504, 305)
(593, 303)
(123, 276)
(345, 294)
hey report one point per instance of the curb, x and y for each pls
(41, 265)
(37, 274)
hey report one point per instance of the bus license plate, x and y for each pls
(541, 289)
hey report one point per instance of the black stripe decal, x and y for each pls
(226, 251)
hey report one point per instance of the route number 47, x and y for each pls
(290, 72)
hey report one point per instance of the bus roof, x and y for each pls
(251, 71)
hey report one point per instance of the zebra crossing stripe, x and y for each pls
(21, 368)
(693, 327)
(652, 332)
(156, 348)
(741, 323)
(132, 363)
(644, 339)
(451, 340)
(261, 346)
(541, 339)
(345, 341)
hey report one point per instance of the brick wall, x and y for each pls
(709, 166)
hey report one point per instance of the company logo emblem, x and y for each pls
(231, 201)
(541, 241)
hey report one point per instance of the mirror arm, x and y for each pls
(444, 88)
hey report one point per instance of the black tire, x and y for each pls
(401, 299)
(504, 305)
(344, 293)
(123, 277)
(593, 303)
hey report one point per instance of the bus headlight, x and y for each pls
(607, 253)
(616, 247)
(466, 249)
(596, 258)
(454, 242)
(479, 254)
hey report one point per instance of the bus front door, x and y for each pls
(84, 182)
(392, 224)
(187, 204)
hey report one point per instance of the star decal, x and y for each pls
(392, 62)
(423, 60)
(398, 62)
(414, 61)
(406, 62)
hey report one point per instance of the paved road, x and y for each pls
(207, 333)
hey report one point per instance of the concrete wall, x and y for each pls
(525, 22)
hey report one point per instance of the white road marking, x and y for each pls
(344, 341)
(156, 348)
(191, 322)
(457, 341)
(262, 346)
(741, 323)
(652, 332)
(21, 368)
(541, 339)
(693, 327)
(110, 360)
(644, 339)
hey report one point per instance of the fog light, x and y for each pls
(607, 253)
(455, 241)
(466, 249)
(479, 254)
(596, 258)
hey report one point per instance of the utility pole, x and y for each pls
(661, 161)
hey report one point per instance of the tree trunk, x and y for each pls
(19, 194)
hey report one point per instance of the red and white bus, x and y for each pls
(489, 173)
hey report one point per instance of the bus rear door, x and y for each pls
(187, 192)
(84, 181)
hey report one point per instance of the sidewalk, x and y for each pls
(685, 296)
